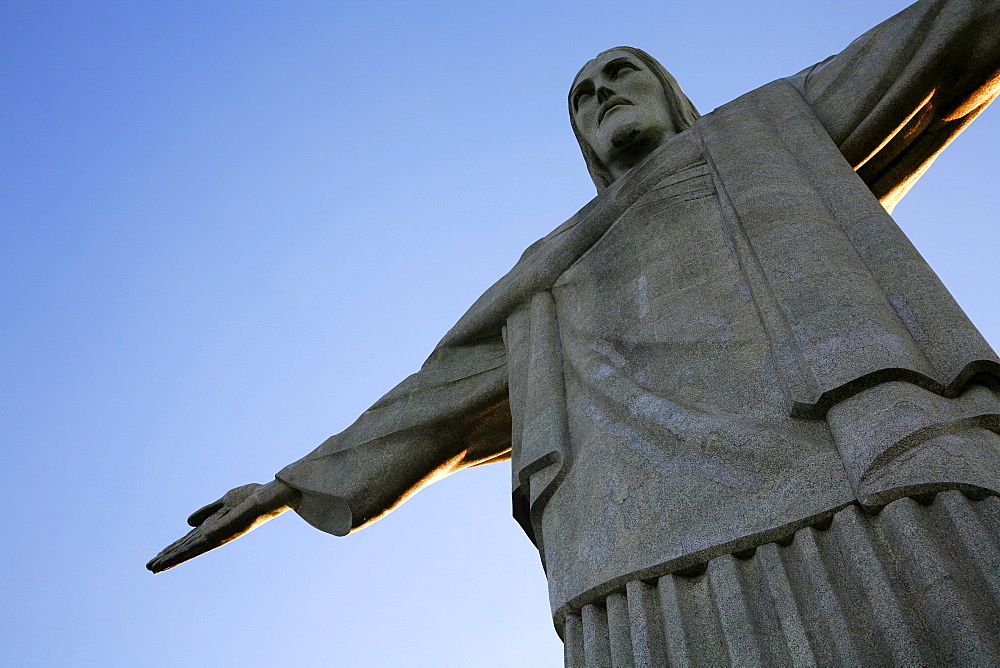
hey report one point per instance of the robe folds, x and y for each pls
(731, 341)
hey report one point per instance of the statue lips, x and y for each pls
(609, 105)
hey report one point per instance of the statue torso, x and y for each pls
(680, 432)
(649, 365)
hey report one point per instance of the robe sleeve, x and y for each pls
(452, 414)
(905, 89)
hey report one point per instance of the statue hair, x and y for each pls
(682, 112)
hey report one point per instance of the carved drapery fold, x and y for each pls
(541, 447)
(916, 584)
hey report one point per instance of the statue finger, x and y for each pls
(174, 547)
(199, 516)
(188, 547)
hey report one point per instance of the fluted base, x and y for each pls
(913, 585)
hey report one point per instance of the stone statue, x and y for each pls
(747, 423)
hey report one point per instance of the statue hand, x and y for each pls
(238, 512)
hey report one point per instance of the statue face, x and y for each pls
(620, 108)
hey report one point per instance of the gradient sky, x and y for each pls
(227, 228)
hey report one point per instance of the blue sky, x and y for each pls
(228, 227)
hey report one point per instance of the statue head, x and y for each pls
(622, 105)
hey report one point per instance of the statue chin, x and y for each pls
(627, 137)
(630, 138)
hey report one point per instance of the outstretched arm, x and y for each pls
(900, 93)
(450, 415)
(240, 511)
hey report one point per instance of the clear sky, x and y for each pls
(227, 228)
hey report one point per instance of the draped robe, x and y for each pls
(731, 342)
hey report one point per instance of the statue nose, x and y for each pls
(603, 93)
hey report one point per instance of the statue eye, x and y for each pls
(581, 97)
(624, 68)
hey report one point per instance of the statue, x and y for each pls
(747, 423)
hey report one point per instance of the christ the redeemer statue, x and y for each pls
(747, 423)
